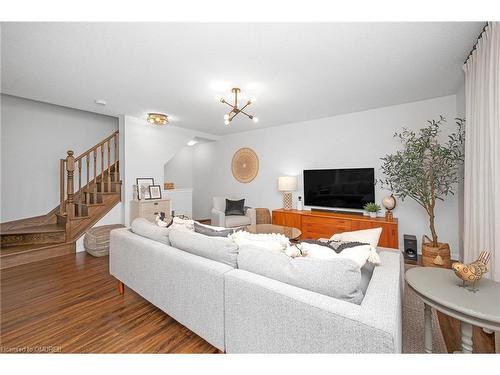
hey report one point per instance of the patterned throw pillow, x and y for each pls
(210, 231)
(337, 246)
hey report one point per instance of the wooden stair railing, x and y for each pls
(89, 187)
(94, 172)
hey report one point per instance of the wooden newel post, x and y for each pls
(70, 168)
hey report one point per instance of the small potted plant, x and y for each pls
(372, 208)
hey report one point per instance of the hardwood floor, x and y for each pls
(71, 304)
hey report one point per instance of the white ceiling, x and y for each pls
(296, 71)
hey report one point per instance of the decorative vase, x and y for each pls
(299, 204)
(435, 256)
(373, 214)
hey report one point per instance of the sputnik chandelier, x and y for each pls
(235, 110)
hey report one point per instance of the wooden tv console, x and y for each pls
(318, 224)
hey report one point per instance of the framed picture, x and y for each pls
(143, 184)
(154, 192)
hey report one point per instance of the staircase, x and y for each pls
(95, 175)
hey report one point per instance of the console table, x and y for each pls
(319, 224)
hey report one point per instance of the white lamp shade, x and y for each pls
(287, 183)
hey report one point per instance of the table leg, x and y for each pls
(466, 331)
(428, 329)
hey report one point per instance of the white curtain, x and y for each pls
(482, 150)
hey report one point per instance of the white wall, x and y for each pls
(34, 136)
(353, 140)
(179, 169)
(145, 149)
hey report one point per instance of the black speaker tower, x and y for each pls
(410, 243)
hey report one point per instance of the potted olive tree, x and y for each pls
(426, 170)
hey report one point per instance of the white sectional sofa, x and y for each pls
(242, 312)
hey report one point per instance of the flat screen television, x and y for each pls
(339, 188)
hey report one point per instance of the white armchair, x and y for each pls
(220, 219)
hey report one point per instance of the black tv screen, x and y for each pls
(339, 188)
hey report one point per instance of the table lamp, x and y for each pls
(287, 184)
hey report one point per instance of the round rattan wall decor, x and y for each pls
(245, 165)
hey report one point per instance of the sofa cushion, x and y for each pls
(339, 278)
(235, 207)
(370, 236)
(146, 228)
(212, 231)
(237, 221)
(220, 249)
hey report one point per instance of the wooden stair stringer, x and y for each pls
(79, 225)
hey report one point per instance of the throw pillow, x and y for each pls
(370, 236)
(358, 254)
(338, 246)
(161, 222)
(182, 224)
(210, 231)
(235, 207)
(146, 228)
(338, 278)
(219, 249)
(274, 242)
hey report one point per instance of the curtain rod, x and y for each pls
(477, 41)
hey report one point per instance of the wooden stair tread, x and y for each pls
(44, 228)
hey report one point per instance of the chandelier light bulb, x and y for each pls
(218, 98)
(255, 119)
(252, 100)
(226, 122)
(226, 117)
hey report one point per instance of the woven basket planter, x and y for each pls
(429, 254)
(96, 240)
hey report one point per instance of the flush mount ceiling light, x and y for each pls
(157, 118)
(235, 110)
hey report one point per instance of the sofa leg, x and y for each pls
(121, 287)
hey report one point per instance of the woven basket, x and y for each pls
(96, 240)
(429, 254)
(263, 216)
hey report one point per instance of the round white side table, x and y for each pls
(440, 289)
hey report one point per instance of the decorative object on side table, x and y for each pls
(245, 165)
(389, 204)
(287, 184)
(372, 208)
(473, 272)
(154, 192)
(427, 170)
(143, 184)
(168, 186)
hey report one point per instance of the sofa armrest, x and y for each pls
(265, 315)
(252, 214)
(218, 218)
